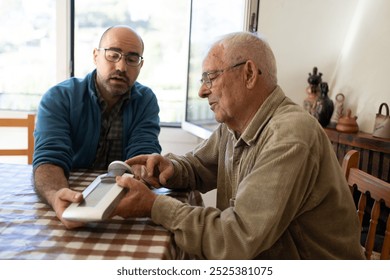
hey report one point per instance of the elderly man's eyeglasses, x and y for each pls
(208, 77)
(131, 59)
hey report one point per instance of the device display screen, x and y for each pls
(93, 198)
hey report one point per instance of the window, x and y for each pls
(163, 25)
(27, 52)
(208, 22)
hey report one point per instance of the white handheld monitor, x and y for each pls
(100, 197)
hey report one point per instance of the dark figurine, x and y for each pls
(314, 80)
(324, 106)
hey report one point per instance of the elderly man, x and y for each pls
(280, 190)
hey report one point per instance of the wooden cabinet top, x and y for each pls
(359, 140)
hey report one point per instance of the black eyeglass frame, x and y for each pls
(120, 55)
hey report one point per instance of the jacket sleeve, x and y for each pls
(52, 138)
(141, 124)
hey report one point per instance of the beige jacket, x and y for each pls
(290, 198)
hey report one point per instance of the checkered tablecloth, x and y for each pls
(29, 228)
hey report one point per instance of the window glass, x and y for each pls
(27, 52)
(162, 24)
(208, 23)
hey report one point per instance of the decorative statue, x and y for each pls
(324, 106)
(313, 91)
(338, 110)
(314, 79)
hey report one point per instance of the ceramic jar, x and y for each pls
(347, 123)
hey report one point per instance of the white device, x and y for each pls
(100, 197)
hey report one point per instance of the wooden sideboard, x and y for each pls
(374, 152)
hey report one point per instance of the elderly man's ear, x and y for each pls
(251, 74)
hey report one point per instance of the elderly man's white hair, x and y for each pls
(240, 46)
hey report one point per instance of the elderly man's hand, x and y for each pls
(155, 170)
(137, 202)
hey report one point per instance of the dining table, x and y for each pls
(30, 230)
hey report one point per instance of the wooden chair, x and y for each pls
(377, 190)
(29, 123)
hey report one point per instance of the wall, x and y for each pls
(362, 70)
(347, 40)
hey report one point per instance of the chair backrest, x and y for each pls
(29, 123)
(379, 191)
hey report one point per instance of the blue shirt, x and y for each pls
(68, 124)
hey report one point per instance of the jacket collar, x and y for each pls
(262, 117)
